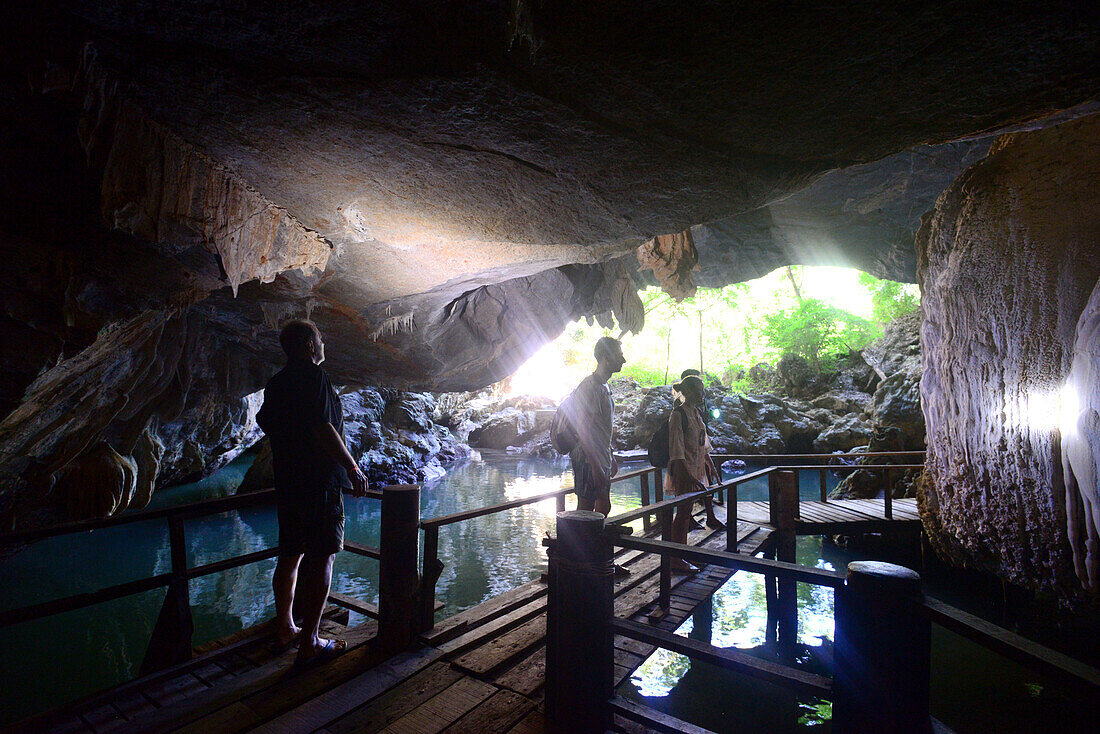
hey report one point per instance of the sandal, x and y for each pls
(684, 567)
(330, 649)
(716, 524)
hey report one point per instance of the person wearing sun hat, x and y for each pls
(689, 467)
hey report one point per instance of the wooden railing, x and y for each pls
(655, 505)
(171, 641)
(881, 664)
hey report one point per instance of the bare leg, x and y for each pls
(602, 504)
(283, 582)
(583, 503)
(316, 576)
(680, 524)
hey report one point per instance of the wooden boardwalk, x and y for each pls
(481, 670)
(840, 517)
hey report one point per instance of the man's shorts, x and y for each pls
(584, 481)
(311, 521)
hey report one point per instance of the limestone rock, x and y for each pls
(1008, 261)
(98, 484)
(503, 429)
(1079, 424)
(843, 435)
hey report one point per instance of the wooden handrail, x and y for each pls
(726, 457)
(195, 509)
(731, 659)
(1013, 646)
(492, 509)
(735, 561)
(632, 515)
(79, 601)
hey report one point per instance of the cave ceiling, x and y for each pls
(444, 185)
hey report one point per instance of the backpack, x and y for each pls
(563, 435)
(657, 453)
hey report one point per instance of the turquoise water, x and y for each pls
(56, 659)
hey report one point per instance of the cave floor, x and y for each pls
(480, 670)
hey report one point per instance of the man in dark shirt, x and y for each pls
(304, 420)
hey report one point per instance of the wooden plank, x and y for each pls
(211, 673)
(1063, 668)
(104, 718)
(383, 711)
(727, 658)
(489, 658)
(533, 723)
(229, 691)
(174, 690)
(528, 675)
(483, 613)
(132, 705)
(443, 709)
(653, 719)
(341, 700)
(478, 635)
(497, 715)
(350, 602)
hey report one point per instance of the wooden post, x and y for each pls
(773, 499)
(431, 569)
(579, 655)
(399, 617)
(658, 485)
(882, 652)
(888, 495)
(823, 480)
(731, 520)
(170, 642)
(647, 521)
(785, 550)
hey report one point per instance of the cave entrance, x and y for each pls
(735, 334)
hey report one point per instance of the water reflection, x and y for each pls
(64, 657)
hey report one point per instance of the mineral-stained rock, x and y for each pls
(844, 434)
(1008, 260)
(503, 429)
(98, 484)
(1080, 429)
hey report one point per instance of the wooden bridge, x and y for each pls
(484, 669)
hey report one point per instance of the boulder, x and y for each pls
(502, 429)
(844, 434)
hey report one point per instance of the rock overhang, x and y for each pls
(443, 186)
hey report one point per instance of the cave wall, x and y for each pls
(1007, 261)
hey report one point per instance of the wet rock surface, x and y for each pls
(390, 433)
(1008, 260)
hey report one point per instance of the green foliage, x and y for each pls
(890, 299)
(645, 374)
(816, 330)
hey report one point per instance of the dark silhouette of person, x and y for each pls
(303, 418)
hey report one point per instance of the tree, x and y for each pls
(816, 330)
(889, 299)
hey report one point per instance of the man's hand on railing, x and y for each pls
(359, 482)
